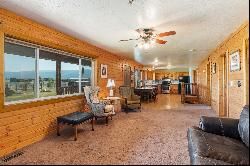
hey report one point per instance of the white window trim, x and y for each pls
(37, 49)
(37, 92)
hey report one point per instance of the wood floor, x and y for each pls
(171, 101)
(156, 135)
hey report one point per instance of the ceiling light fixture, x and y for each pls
(130, 1)
(146, 46)
(148, 38)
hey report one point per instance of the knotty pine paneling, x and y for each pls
(24, 124)
(235, 94)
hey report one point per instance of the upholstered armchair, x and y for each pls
(128, 98)
(100, 108)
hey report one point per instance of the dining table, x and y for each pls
(146, 93)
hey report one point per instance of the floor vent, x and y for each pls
(12, 156)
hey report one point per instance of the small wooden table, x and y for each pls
(116, 102)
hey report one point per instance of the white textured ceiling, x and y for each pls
(199, 24)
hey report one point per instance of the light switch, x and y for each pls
(231, 83)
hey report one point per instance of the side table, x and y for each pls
(116, 102)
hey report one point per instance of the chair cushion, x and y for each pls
(243, 126)
(207, 145)
(108, 108)
(133, 101)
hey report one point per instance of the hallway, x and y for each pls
(156, 135)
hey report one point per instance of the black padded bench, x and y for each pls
(74, 119)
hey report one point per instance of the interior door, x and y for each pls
(127, 75)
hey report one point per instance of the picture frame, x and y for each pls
(235, 61)
(104, 71)
(214, 68)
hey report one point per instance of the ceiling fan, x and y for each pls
(148, 37)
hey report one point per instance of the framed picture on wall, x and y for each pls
(235, 61)
(104, 71)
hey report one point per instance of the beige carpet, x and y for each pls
(147, 137)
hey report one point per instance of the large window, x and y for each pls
(47, 74)
(34, 72)
(19, 73)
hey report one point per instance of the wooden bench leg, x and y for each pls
(107, 120)
(75, 132)
(58, 129)
(92, 122)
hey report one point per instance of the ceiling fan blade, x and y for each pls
(160, 41)
(167, 33)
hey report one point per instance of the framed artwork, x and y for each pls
(235, 61)
(104, 71)
(214, 68)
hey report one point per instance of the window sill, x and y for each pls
(40, 99)
(11, 106)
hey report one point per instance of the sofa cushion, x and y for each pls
(243, 126)
(221, 126)
(208, 161)
(207, 145)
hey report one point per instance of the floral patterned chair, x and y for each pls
(100, 108)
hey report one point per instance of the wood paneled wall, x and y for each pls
(235, 94)
(23, 124)
(115, 71)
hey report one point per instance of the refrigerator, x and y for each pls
(185, 79)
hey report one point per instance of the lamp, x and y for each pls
(110, 84)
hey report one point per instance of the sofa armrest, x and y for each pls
(221, 126)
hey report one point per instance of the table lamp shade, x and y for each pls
(110, 84)
(113, 83)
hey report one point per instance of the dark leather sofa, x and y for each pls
(220, 141)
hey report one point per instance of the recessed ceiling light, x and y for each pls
(192, 50)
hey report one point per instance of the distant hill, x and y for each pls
(66, 74)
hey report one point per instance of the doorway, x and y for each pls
(127, 75)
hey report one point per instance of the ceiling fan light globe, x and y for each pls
(152, 41)
(140, 45)
(146, 46)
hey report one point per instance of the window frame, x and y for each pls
(48, 49)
